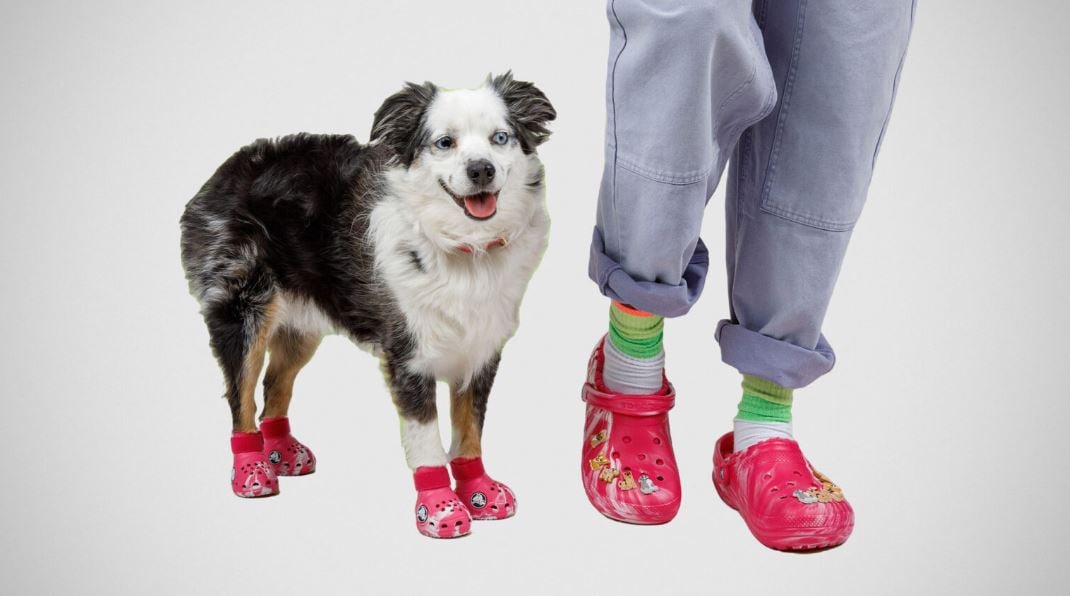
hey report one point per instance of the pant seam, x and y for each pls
(785, 104)
(895, 86)
(680, 179)
(613, 101)
(808, 220)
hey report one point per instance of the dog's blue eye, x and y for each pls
(444, 143)
(500, 138)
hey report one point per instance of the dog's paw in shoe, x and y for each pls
(251, 475)
(287, 455)
(485, 497)
(440, 513)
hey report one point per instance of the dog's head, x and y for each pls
(466, 158)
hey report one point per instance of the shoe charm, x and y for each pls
(646, 485)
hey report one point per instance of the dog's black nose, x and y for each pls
(480, 172)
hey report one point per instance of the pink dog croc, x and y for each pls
(439, 513)
(484, 497)
(628, 465)
(786, 504)
(251, 475)
(286, 454)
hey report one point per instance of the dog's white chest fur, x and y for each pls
(459, 307)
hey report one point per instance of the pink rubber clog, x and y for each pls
(287, 456)
(252, 475)
(786, 504)
(439, 513)
(628, 465)
(484, 497)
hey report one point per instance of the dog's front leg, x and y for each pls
(439, 513)
(484, 497)
(468, 409)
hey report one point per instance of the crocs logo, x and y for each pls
(275, 456)
(478, 500)
(421, 513)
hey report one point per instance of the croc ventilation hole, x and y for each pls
(616, 455)
(626, 439)
(659, 461)
(660, 479)
(657, 441)
(642, 457)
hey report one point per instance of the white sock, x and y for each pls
(625, 374)
(749, 432)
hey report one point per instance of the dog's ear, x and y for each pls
(399, 122)
(529, 110)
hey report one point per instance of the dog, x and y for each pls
(418, 246)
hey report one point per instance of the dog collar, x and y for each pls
(496, 243)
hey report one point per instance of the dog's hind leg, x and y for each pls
(484, 497)
(240, 321)
(290, 350)
(439, 513)
(240, 324)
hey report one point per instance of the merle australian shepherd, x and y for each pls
(417, 245)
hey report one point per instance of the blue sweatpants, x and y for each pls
(798, 93)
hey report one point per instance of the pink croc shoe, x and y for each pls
(628, 465)
(786, 504)
(251, 475)
(484, 497)
(439, 513)
(286, 454)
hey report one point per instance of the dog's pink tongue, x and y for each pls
(482, 205)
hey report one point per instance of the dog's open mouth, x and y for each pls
(479, 206)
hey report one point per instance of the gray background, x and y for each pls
(944, 419)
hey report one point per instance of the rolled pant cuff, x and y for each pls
(663, 299)
(783, 363)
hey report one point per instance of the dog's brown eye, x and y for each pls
(444, 143)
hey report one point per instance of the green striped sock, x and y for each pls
(764, 401)
(636, 335)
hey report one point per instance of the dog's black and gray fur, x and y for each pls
(291, 215)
